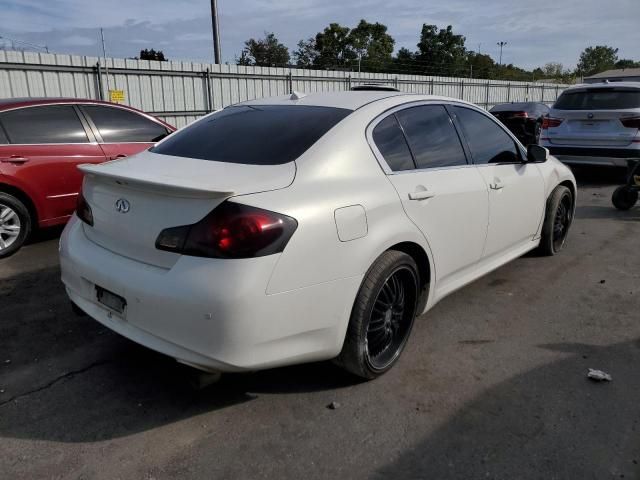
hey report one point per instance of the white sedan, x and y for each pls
(307, 227)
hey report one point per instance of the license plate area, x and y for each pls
(110, 300)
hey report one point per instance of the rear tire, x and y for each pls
(557, 220)
(382, 316)
(624, 198)
(15, 224)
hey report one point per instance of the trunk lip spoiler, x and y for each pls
(169, 188)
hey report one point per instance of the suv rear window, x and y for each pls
(253, 134)
(599, 99)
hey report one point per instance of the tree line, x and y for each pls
(368, 47)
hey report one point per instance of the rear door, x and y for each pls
(122, 132)
(441, 193)
(516, 189)
(591, 117)
(45, 145)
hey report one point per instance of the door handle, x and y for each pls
(16, 159)
(115, 157)
(421, 195)
(497, 184)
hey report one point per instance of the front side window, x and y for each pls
(253, 134)
(3, 136)
(390, 140)
(488, 142)
(117, 125)
(42, 125)
(432, 137)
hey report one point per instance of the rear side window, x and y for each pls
(432, 137)
(3, 136)
(488, 142)
(47, 124)
(117, 125)
(253, 134)
(390, 140)
(599, 99)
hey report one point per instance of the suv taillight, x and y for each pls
(83, 210)
(631, 122)
(231, 230)
(550, 122)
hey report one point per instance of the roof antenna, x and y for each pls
(297, 95)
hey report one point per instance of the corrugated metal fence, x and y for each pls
(179, 92)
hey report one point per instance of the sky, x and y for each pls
(536, 32)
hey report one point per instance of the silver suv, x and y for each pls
(595, 124)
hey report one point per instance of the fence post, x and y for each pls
(99, 92)
(431, 87)
(557, 91)
(395, 81)
(543, 88)
(527, 93)
(349, 82)
(508, 92)
(207, 83)
(290, 79)
(486, 103)
(461, 89)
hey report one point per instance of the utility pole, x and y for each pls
(216, 32)
(104, 56)
(501, 45)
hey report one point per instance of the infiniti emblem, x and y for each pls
(590, 116)
(122, 205)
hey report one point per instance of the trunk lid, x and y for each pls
(597, 128)
(134, 199)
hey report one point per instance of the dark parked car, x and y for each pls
(523, 119)
(42, 141)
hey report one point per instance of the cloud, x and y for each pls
(536, 32)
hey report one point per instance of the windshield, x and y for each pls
(599, 99)
(253, 134)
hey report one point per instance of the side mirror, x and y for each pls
(537, 154)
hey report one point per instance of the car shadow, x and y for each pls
(550, 422)
(69, 379)
(598, 176)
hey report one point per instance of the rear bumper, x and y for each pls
(209, 313)
(618, 157)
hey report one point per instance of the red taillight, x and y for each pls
(550, 122)
(83, 210)
(232, 230)
(519, 115)
(631, 122)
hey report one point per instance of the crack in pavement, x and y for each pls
(54, 381)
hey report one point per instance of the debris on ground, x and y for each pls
(598, 375)
(603, 281)
(333, 406)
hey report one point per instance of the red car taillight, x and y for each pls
(632, 122)
(83, 210)
(231, 230)
(550, 122)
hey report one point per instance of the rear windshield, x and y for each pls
(253, 134)
(599, 99)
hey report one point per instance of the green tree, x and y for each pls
(597, 59)
(152, 54)
(441, 52)
(627, 63)
(372, 44)
(306, 54)
(264, 52)
(334, 47)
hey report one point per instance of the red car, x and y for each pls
(41, 143)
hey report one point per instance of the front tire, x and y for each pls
(624, 198)
(382, 316)
(557, 220)
(15, 224)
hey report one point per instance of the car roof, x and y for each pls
(585, 86)
(351, 100)
(6, 103)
